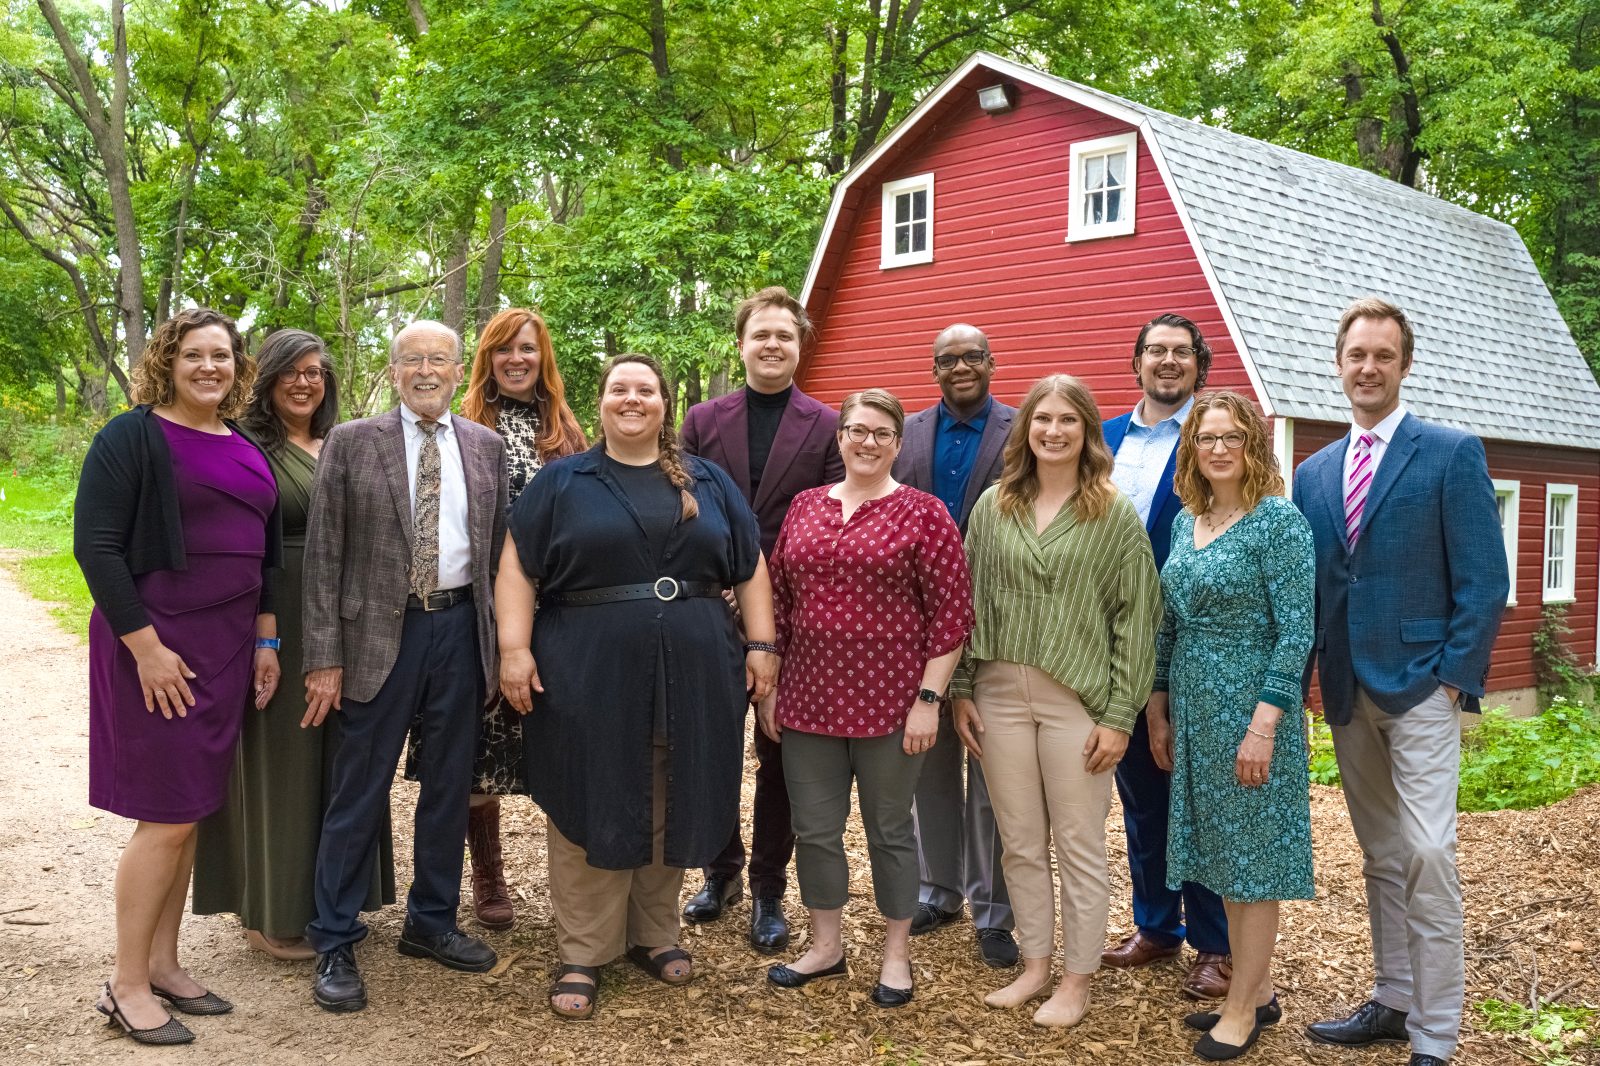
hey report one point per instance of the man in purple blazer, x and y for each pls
(775, 441)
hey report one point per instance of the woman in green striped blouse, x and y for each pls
(1067, 603)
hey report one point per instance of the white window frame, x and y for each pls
(1566, 590)
(891, 190)
(1512, 492)
(1077, 228)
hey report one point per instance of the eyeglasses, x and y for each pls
(437, 362)
(1208, 441)
(1159, 351)
(314, 375)
(859, 434)
(972, 358)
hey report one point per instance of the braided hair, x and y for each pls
(671, 459)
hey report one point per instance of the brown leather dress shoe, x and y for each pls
(1138, 950)
(1209, 977)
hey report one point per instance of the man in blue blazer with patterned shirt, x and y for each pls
(1170, 361)
(1411, 585)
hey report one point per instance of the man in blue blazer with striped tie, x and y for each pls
(1411, 584)
(1170, 361)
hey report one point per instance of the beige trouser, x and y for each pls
(1034, 732)
(600, 913)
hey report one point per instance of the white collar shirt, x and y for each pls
(455, 545)
(1382, 434)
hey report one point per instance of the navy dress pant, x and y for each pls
(438, 679)
(1164, 915)
(772, 835)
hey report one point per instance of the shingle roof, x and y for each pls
(1293, 238)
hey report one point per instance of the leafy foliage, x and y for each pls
(1560, 1035)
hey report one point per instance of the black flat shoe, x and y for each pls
(785, 977)
(338, 986)
(204, 1003)
(451, 948)
(718, 894)
(884, 996)
(769, 929)
(173, 1032)
(928, 918)
(1214, 1050)
(1371, 1023)
(1266, 1014)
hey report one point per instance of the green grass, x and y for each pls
(36, 519)
(1557, 1033)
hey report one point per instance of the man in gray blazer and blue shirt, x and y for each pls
(954, 450)
(407, 517)
(1411, 584)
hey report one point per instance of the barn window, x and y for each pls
(1102, 187)
(1508, 498)
(908, 221)
(1560, 542)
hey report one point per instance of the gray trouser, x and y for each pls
(958, 845)
(818, 770)
(1400, 775)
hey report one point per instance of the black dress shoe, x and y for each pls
(784, 977)
(1372, 1023)
(338, 986)
(451, 948)
(998, 948)
(1419, 1059)
(928, 918)
(769, 929)
(718, 893)
(884, 996)
(1266, 1014)
(1214, 1050)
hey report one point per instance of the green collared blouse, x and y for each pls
(1081, 601)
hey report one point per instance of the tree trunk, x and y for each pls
(419, 17)
(489, 275)
(455, 282)
(719, 383)
(665, 90)
(838, 98)
(1402, 157)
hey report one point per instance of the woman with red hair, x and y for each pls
(515, 389)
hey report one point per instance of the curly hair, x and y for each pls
(559, 432)
(280, 352)
(671, 460)
(1202, 350)
(1018, 486)
(152, 378)
(1261, 476)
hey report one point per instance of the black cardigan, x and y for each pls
(126, 520)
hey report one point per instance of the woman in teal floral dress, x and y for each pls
(1238, 590)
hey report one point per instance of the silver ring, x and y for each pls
(656, 588)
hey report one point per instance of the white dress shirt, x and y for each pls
(455, 546)
(1142, 457)
(1382, 434)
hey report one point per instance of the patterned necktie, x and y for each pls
(425, 545)
(1355, 492)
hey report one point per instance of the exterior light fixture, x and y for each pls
(997, 99)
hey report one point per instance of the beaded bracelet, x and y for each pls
(1259, 733)
(761, 645)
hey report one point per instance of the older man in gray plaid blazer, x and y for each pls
(407, 519)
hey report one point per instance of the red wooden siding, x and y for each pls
(1512, 666)
(1001, 262)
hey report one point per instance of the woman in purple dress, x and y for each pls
(176, 526)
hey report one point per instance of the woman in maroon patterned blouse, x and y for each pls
(874, 604)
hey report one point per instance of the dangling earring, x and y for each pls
(491, 383)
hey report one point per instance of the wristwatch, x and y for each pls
(927, 695)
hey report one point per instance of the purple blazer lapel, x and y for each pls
(729, 442)
(793, 429)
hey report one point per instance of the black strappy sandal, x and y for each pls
(575, 988)
(656, 965)
(204, 1003)
(173, 1032)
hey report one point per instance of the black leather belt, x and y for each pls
(440, 599)
(662, 588)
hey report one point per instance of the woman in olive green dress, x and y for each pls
(256, 857)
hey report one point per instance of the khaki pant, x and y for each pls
(1035, 730)
(601, 913)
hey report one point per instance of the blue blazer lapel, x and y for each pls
(793, 428)
(1395, 457)
(1163, 491)
(1329, 491)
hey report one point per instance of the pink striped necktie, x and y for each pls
(1355, 493)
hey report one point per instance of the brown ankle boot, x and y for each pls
(490, 899)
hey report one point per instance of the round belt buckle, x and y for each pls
(671, 595)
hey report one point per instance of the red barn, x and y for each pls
(1059, 219)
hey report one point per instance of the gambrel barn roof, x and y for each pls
(1287, 240)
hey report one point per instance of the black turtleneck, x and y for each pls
(763, 412)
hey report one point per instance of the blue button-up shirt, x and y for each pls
(1143, 456)
(955, 453)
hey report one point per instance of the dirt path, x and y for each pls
(57, 857)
